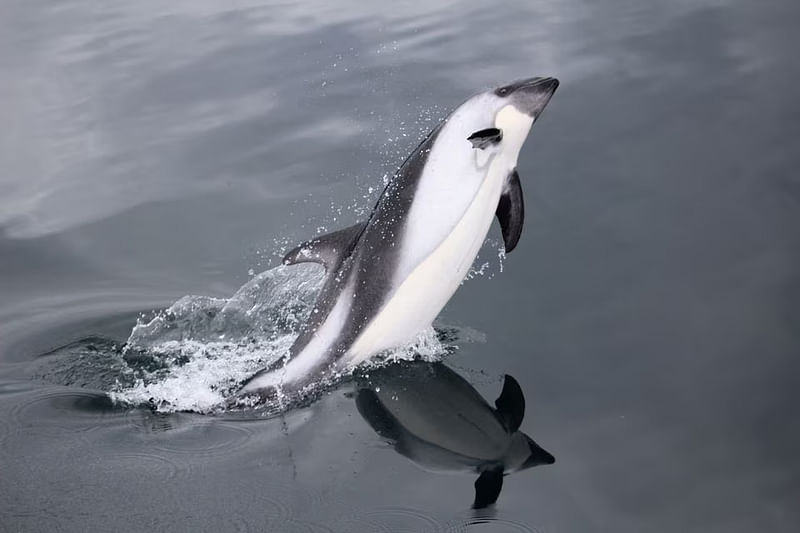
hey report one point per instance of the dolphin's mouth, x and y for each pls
(537, 84)
(541, 84)
(530, 95)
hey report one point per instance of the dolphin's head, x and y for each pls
(524, 453)
(537, 455)
(497, 121)
(528, 96)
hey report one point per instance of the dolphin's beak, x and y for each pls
(531, 95)
(544, 85)
(538, 455)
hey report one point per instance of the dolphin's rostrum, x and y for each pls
(433, 416)
(388, 277)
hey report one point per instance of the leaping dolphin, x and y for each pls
(389, 277)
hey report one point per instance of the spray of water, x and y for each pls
(195, 355)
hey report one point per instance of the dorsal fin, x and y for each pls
(377, 416)
(511, 404)
(327, 250)
(511, 211)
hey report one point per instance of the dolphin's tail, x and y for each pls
(276, 388)
(253, 398)
(266, 387)
(295, 378)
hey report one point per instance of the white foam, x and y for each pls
(202, 376)
(196, 354)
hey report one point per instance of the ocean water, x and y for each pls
(157, 159)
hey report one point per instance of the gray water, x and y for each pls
(651, 313)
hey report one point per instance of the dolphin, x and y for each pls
(439, 421)
(389, 276)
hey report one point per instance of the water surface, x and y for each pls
(650, 312)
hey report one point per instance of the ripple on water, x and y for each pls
(271, 497)
(8, 390)
(146, 465)
(487, 520)
(240, 525)
(31, 520)
(403, 520)
(359, 522)
(280, 511)
(191, 434)
(56, 412)
(306, 527)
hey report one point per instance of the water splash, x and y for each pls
(487, 268)
(195, 355)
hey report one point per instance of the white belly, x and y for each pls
(302, 364)
(425, 291)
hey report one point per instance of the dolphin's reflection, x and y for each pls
(437, 419)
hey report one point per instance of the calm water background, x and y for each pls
(651, 312)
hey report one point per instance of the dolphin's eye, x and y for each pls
(483, 138)
(502, 91)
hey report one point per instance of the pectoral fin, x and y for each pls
(511, 211)
(511, 404)
(484, 138)
(488, 487)
(328, 250)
